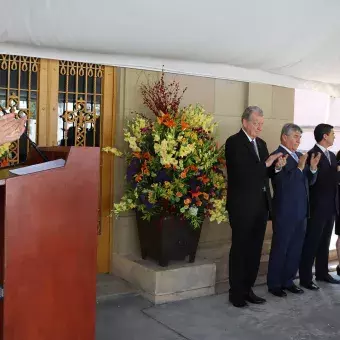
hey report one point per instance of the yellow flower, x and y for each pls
(218, 213)
(185, 150)
(4, 148)
(114, 151)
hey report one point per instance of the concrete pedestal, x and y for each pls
(176, 282)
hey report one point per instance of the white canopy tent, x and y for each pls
(292, 43)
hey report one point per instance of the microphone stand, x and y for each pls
(34, 146)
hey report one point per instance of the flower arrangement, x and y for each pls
(174, 165)
(4, 151)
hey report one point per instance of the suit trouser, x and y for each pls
(316, 247)
(287, 243)
(246, 248)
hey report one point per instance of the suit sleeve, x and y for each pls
(310, 175)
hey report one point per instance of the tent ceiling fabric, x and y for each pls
(292, 43)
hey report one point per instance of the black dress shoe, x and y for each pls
(328, 279)
(294, 289)
(277, 292)
(237, 302)
(309, 285)
(338, 270)
(252, 298)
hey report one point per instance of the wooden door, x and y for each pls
(67, 103)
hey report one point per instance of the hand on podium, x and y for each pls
(11, 128)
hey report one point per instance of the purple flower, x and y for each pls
(162, 176)
(133, 168)
(193, 184)
(145, 201)
(145, 130)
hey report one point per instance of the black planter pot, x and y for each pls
(167, 238)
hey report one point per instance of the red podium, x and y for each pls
(48, 243)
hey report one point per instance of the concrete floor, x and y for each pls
(110, 287)
(311, 316)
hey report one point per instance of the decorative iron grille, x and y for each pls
(19, 88)
(79, 103)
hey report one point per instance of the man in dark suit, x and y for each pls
(324, 207)
(248, 204)
(290, 211)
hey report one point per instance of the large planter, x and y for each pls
(167, 238)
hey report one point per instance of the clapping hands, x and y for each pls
(314, 161)
(281, 162)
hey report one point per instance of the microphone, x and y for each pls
(35, 147)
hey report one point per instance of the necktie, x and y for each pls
(328, 156)
(295, 156)
(255, 148)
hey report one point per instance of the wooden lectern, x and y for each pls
(48, 243)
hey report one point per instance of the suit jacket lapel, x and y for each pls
(248, 144)
(260, 148)
(323, 158)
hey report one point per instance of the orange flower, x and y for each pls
(145, 169)
(183, 174)
(205, 196)
(4, 162)
(204, 179)
(167, 166)
(196, 194)
(187, 201)
(137, 155)
(163, 117)
(138, 178)
(199, 203)
(170, 123)
(166, 120)
(193, 167)
(146, 155)
(179, 194)
(184, 125)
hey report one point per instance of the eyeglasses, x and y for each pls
(256, 124)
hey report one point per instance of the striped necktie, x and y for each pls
(328, 156)
(255, 148)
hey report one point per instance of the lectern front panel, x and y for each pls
(50, 251)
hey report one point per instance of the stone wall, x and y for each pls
(227, 100)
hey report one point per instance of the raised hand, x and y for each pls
(314, 161)
(11, 128)
(271, 159)
(302, 161)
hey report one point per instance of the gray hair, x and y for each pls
(249, 110)
(289, 128)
